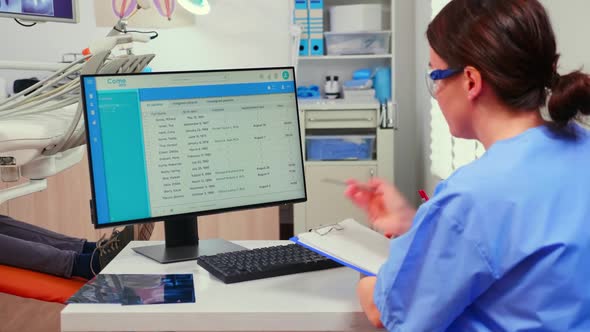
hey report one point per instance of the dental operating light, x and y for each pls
(197, 7)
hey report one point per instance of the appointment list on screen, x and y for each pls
(177, 143)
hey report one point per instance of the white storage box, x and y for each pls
(368, 94)
(352, 43)
(355, 18)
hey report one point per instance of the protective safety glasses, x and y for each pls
(434, 76)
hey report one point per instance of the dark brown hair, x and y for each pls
(512, 44)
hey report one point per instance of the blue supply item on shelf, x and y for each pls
(316, 27)
(362, 74)
(382, 83)
(339, 147)
(308, 92)
(301, 19)
(361, 84)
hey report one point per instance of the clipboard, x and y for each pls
(349, 243)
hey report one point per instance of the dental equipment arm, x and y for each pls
(42, 128)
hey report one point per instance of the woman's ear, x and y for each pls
(473, 82)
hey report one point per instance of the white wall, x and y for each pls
(571, 27)
(235, 34)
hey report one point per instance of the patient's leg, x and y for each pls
(36, 256)
(21, 230)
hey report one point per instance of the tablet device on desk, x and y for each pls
(137, 289)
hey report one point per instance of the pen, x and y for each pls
(422, 194)
(343, 183)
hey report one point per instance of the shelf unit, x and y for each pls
(326, 203)
(314, 69)
(344, 57)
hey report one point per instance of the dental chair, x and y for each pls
(42, 134)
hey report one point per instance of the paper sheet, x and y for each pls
(353, 243)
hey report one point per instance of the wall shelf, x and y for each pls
(345, 57)
(335, 104)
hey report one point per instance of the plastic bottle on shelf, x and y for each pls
(382, 83)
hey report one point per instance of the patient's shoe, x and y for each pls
(109, 248)
(144, 231)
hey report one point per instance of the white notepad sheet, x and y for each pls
(351, 243)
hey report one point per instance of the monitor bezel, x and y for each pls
(93, 211)
(42, 18)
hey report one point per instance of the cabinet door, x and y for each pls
(326, 203)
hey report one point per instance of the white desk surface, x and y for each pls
(313, 301)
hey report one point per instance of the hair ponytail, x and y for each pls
(570, 97)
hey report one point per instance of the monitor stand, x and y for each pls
(183, 244)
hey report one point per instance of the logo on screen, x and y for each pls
(286, 75)
(120, 82)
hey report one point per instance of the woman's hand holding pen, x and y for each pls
(387, 209)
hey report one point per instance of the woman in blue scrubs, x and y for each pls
(504, 243)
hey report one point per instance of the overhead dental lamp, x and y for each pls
(197, 7)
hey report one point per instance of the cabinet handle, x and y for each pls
(396, 118)
(335, 120)
(372, 172)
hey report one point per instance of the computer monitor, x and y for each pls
(40, 10)
(171, 146)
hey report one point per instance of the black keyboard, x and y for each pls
(266, 262)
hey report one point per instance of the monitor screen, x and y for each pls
(191, 143)
(40, 10)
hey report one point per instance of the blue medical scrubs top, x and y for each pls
(503, 244)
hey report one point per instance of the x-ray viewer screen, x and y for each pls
(40, 10)
(192, 142)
